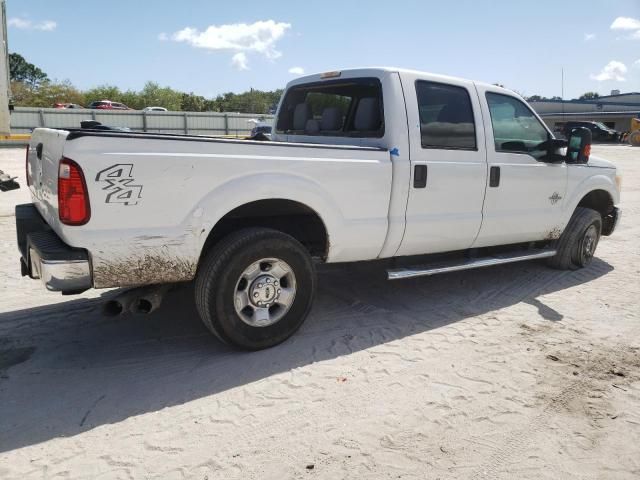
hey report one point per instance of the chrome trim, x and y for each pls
(60, 275)
(400, 273)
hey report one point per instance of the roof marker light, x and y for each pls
(334, 74)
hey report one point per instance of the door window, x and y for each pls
(515, 127)
(446, 116)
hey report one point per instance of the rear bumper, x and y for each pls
(46, 257)
(611, 221)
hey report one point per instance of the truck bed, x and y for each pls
(155, 198)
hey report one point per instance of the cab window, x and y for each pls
(446, 116)
(515, 127)
(338, 108)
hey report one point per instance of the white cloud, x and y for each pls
(259, 37)
(625, 23)
(613, 70)
(163, 37)
(636, 63)
(589, 36)
(296, 70)
(46, 26)
(25, 24)
(19, 23)
(239, 61)
(635, 35)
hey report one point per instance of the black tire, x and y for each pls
(218, 278)
(577, 244)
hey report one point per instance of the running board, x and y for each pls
(466, 264)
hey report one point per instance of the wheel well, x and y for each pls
(598, 200)
(292, 218)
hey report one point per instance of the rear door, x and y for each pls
(524, 195)
(448, 164)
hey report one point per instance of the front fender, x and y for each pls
(600, 181)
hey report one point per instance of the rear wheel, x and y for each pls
(577, 244)
(255, 288)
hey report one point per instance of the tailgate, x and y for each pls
(43, 158)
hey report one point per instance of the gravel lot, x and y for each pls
(515, 371)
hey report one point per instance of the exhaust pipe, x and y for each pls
(121, 303)
(150, 300)
(138, 300)
(112, 308)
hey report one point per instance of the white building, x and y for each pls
(615, 110)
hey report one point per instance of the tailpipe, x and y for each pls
(150, 299)
(141, 300)
(120, 303)
(112, 308)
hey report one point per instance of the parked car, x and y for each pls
(154, 109)
(261, 127)
(108, 105)
(599, 131)
(67, 105)
(383, 164)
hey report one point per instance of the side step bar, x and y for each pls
(466, 264)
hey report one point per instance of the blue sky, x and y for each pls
(202, 46)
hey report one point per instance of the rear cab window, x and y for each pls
(337, 108)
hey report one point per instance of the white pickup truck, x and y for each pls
(365, 164)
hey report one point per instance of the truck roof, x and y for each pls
(378, 71)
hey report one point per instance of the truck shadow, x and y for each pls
(66, 369)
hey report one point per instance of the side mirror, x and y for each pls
(579, 147)
(552, 147)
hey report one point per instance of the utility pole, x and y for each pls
(562, 93)
(5, 121)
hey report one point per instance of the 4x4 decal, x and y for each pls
(119, 185)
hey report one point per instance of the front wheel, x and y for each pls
(577, 244)
(255, 288)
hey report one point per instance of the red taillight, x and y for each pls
(73, 197)
(26, 166)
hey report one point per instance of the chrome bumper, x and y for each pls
(60, 275)
(46, 257)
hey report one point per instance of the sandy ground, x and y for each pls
(516, 371)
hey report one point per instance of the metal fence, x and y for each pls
(25, 119)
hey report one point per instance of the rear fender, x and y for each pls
(244, 190)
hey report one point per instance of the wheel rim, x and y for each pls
(265, 292)
(589, 243)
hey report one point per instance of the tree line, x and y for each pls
(31, 87)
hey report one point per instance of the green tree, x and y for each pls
(589, 96)
(47, 94)
(25, 72)
(153, 95)
(194, 103)
(103, 92)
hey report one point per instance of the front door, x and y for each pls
(524, 196)
(448, 165)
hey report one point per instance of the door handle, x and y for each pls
(420, 176)
(494, 176)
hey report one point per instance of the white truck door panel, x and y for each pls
(526, 204)
(447, 144)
